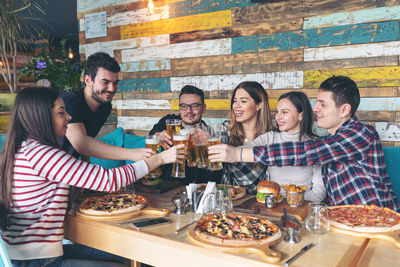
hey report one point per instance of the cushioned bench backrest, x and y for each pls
(392, 161)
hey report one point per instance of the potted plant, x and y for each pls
(57, 66)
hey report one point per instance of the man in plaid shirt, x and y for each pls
(354, 168)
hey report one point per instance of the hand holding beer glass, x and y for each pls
(172, 126)
(214, 138)
(153, 142)
(178, 169)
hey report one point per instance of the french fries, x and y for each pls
(294, 188)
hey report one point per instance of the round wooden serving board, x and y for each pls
(263, 250)
(125, 216)
(393, 237)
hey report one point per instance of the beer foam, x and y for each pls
(151, 141)
(181, 137)
(213, 139)
(184, 131)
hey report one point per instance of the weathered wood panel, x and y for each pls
(141, 104)
(353, 17)
(181, 24)
(331, 36)
(225, 64)
(317, 65)
(145, 85)
(149, 65)
(353, 51)
(275, 80)
(181, 50)
(388, 131)
(145, 74)
(137, 16)
(188, 7)
(156, 40)
(364, 77)
(294, 8)
(90, 5)
(238, 30)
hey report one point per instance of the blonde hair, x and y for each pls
(264, 118)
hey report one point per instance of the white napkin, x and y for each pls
(189, 190)
(210, 188)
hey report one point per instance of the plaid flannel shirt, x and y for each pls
(244, 174)
(354, 171)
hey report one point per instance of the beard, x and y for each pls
(96, 95)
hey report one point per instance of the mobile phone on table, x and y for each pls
(149, 222)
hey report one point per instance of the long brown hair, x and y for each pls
(264, 119)
(31, 118)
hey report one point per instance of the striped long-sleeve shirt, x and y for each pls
(42, 176)
(354, 168)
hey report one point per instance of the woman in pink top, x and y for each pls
(36, 174)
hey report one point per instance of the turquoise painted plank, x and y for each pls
(354, 17)
(375, 104)
(190, 7)
(150, 65)
(145, 85)
(87, 5)
(330, 36)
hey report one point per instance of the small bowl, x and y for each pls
(295, 199)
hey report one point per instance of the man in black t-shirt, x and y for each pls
(89, 108)
(191, 109)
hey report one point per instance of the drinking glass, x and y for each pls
(173, 126)
(214, 138)
(153, 142)
(198, 137)
(317, 220)
(224, 201)
(178, 169)
(192, 153)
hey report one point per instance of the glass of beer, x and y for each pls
(178, 169)
(199, 139)
(153, 142)
(173, 126)
(192, 154)
(214, 138)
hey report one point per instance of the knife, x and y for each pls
(301, 252)
(184, 227)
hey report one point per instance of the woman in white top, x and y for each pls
(294, 119)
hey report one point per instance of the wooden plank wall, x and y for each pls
(284, 45)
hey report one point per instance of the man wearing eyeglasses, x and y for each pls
(191, 109)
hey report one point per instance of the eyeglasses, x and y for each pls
(194, 106)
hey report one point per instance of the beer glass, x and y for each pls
(214, 138)
(198, 137)
(173, 126)
(153, 142)
(178, 169)
(192, 153)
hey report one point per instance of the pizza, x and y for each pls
(112, 204)
(236, 192)
(363, 218)
(236, 230)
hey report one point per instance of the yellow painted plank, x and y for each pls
(198, 22)
(4, 119)
(220, 104)
(364, 77)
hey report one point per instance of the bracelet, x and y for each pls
(241, 150)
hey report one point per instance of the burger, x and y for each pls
(268, 187)
(151, 181)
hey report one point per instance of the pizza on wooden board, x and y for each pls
(112, 204)
(236, 230)
(363, 218)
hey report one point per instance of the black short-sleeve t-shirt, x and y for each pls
(80, 112)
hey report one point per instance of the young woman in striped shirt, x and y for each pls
(35, 176)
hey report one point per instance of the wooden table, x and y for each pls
(380, 253)
(159, 246)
